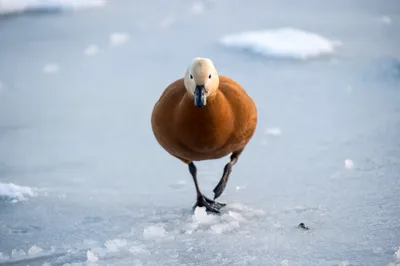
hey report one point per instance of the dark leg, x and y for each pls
(225, 176)
(202, 201)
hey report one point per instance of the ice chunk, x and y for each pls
(115, 244)
(344, 263)
(34, 250)
(397, 255)
(17, 6)
(284, 42)
(154, 231)
(118, 38)
(200, 215)
(273, 131)
(348, 164)
(91, 257)
(51, 68)
(15, 192)
(16, 254)
(285, 263)
(92, 50)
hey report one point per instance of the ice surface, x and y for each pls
(197, 8)
(16, 192)
(16, 6)
(282, 42)
(385, 20)
(118, 38)
(51, 68)
(92, 50)
(84, 137)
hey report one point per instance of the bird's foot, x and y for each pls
(219, 188)
(210, 205)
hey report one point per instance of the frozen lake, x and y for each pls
(76, 95)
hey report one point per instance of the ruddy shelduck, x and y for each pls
(204, 116)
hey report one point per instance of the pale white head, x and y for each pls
(201, 80)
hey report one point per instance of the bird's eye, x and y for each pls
(191, 77)
(209, 76)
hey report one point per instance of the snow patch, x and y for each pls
(15, 192)
(91, 257)
(154, 232)
(51, 68)
(348, 164)
(273, 131)
(118, 38)
(20, 6)
(91, 50)
(236, 215)
(17, 254)
(282, 43)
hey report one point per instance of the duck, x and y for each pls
(204, 116)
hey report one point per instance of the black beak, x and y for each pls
(200, 96)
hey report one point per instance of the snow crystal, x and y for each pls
(282, 42)
(34, 250)
(118, 38)
(51, 68)
(285, 263)
(18, 6)
(154, 231)
(385, 20)
(197, 8)
(91, 257)
(92, 50)
(274, 131)
(348, 164)
(15, 192)
(115, 244)
(16, 254)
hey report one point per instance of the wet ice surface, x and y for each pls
(326, 151)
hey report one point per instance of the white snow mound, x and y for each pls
(19, 6)
(282, 43)
(15, 192)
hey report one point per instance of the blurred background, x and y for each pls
(83, 180)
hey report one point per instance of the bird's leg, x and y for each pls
(225, 176)
(202, 201)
